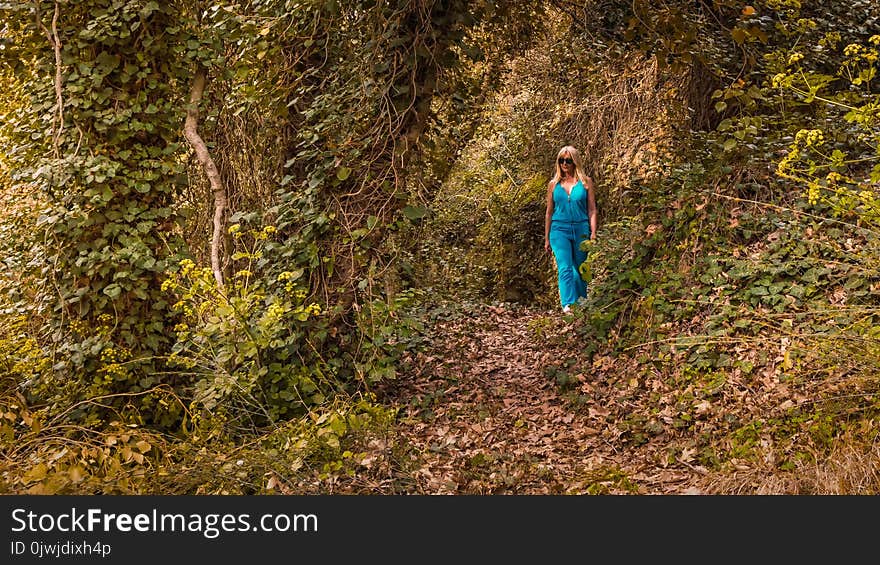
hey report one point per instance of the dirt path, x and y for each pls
(504, 401)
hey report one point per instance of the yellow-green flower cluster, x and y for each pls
(104, 326)
(782, 80)
(831, 39)
(263, 234)
(833, 177)
(275, 309)
(784, 164)
(813, 193)
(31, 359)
(777, 4)
(274, 313)
(186, 267)
(181, 306)
(805, 24)
(858, 52)
(852, 50)
(112, 363)
(290, 276)
(810, 137)
(795, 58)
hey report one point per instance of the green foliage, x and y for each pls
(604, 481)
(108, 161)
(838, 163)
(499, 258)
(353, 143)
(120, 206)
(260, 350)
(333, 442)
(21, 357)
(405, 144)
(111, 162)
(247, 345)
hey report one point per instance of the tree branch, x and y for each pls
(190, 131)
(55, 41)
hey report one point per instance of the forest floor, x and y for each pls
(503, 400)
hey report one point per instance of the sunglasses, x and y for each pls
(566, 161)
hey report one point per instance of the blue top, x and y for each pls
(572, 207)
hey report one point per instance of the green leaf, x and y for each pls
(738, 35)
(343, 173)
(107, 62)
(415, 212)
(112, 290)
(149, 8)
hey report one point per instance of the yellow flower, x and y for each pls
(780, 80)
(852, 49)
(813, 193)
(186, 266)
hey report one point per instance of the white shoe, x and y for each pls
(566, 309)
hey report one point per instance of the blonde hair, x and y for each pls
(578, 167)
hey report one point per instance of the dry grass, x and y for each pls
(852, 468)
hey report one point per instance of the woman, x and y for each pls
(570, 219)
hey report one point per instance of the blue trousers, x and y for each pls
(565, 241)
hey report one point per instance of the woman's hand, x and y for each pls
(547, 245)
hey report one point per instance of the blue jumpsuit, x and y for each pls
(569, 226)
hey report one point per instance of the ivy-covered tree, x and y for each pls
(102, 146)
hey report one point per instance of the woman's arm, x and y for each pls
(591, 207)
(547, 216)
